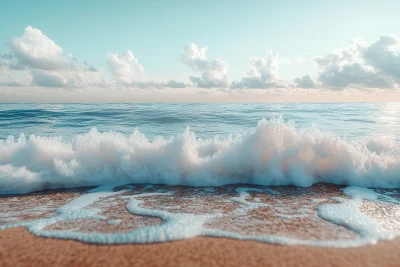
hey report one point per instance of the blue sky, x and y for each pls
(234, 31)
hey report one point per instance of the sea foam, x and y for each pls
(342, 211)
(273, 153)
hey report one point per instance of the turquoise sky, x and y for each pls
(156, 31)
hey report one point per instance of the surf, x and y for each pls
(273, 153)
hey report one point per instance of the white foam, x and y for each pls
(74, 209)
(347, 213)
(243, 194)
(274, 153)
(116, 221)
(360, 193)
(176, 226)
(369, 194)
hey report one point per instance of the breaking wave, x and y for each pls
(274, 153)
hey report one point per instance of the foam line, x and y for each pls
(177, 226)
(274, 153)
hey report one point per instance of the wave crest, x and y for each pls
(274, 153)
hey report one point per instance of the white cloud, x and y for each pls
(8, 61)
(304, 82)
(125, 67)
(34, 59)
(35, 55)
(4, 72)
(74, 77)
(361, 66)
(77, 77)
(36, 50)
(128, 72)
(48, 79)
(12, 74)
(383, 58)
(214, 73)
(263, 73)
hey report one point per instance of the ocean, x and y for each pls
(350, 121)
(69, 145)
(314, 174)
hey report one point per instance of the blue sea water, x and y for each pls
(68, 145)
(117, 147)
(347, 120)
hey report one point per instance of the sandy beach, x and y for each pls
(199, 133)
(21, 248)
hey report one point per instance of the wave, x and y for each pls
(273, 153)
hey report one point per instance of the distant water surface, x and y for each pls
(347, 120)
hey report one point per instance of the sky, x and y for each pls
(199, 51)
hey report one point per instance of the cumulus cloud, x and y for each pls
(125, 67)
(361, 65)
(12, 74)
(48, 79)
(304, 82)
(383, 58)
(214, 73)
(9, 62)
(127, 71)
(74, 77)
(4, 71)
(78, 77)
(35, 55)
(263, 73)
(36, 50)
(33, 59)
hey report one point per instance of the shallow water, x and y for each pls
(156, 213)
(142, 173)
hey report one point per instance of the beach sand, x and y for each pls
(18, 247)
(21, 248)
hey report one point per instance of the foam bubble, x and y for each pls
(180, 225)
(274, 153)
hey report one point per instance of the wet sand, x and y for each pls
(290, 211)
(21, 248)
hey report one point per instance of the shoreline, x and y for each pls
(21, 248)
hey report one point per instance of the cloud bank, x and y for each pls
(125, 67)
(305, 82)
(35, 60)
(127, 71)
(34, 49)
(35, 55)
(263, 73)
(361, 65)
(214, 73)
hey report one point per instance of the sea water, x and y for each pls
(54, 146)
